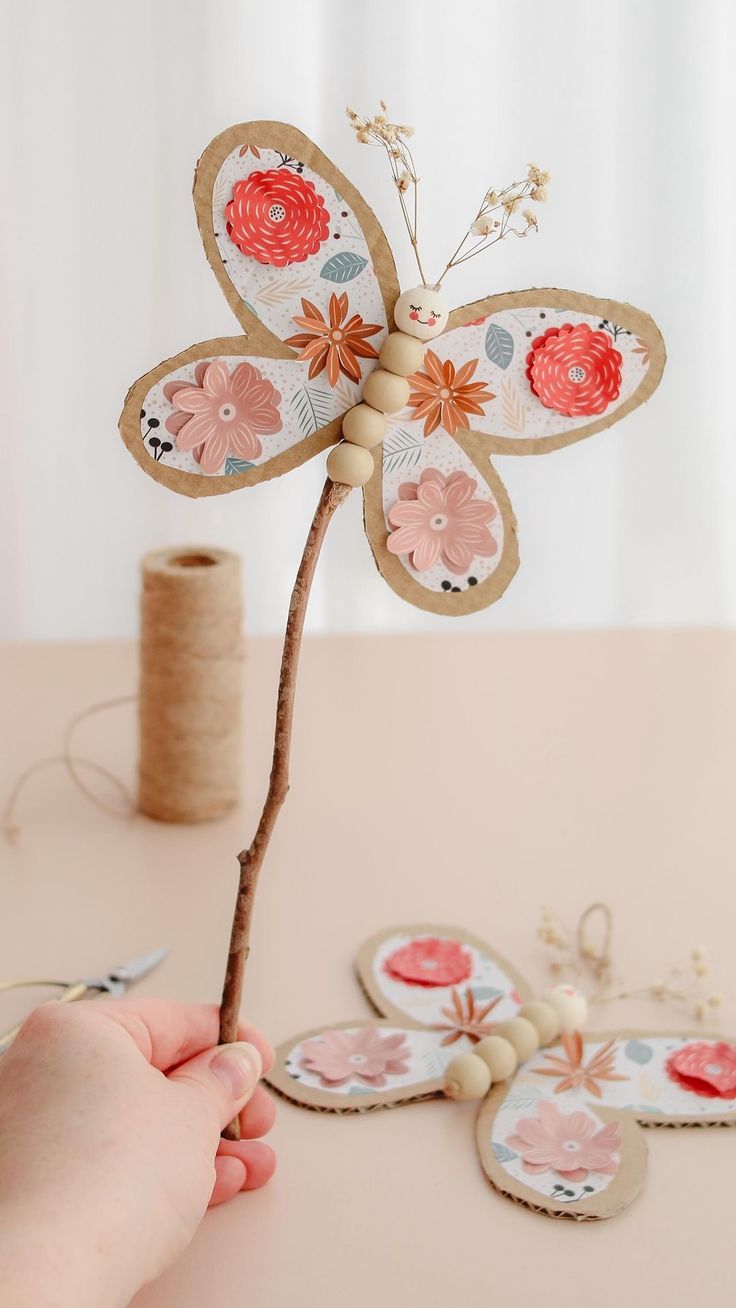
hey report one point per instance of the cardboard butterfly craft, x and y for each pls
(561, 1136)
(307, 270)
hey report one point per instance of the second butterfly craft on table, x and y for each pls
(307, 269)
(562, 1133)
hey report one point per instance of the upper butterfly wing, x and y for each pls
(489, 385)
(563, 1135)
(442, 978)
(305, 266)
(280, 224)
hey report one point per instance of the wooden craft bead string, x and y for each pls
(420, 314)
(386, 390)
(496, 1057)
(191, 654)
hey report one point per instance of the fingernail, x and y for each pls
(238, 1067)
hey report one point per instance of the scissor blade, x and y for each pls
(138, 967)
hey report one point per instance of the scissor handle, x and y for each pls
(69, 992)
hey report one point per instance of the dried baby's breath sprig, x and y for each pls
(584, 955)
(393, 137)
(494, 220)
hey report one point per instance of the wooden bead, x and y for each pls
(467, 1077)
(402, 354)
(520, 1032)
(386, 392)
(571, 1007)
(350, 464)
(544, 1017)
(364, 426)
(498, 1055)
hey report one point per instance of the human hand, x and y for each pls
(110, 1149)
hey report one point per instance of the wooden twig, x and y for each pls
(251, 859)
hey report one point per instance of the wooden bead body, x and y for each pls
(384, 391)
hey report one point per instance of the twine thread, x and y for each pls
(190, 690)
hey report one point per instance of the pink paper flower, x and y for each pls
(707, 1068)
(430, 961)
(441, 518)
(223, 413)
(568, 1143)
(366, 1056)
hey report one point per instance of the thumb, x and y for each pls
(224, 1078)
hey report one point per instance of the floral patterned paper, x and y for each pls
(323, 245)
(354, 1060)
(472, 974)
(277, 403)
(630, 1074)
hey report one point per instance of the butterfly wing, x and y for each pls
(299, 255)
(439, 977)
(490, 385)
(357, 1066)
(563, 1137)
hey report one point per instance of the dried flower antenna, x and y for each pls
(393, 138)
(585, 956)
(497, 218)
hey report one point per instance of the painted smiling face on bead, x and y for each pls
(421, 312)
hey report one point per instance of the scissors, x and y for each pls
(114, 984)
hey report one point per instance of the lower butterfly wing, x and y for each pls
(523, 373)
(439, 520)
(563, 1136)
(228, 413)
(353, 1067)
(440, 978)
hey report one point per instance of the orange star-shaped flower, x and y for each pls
(573, 1073)
(335, 345)
(443, 396)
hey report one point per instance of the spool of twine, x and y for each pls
(191, 655)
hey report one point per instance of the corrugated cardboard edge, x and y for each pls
(479, 447)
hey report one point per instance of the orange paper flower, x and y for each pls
(335, 345)
(444, 397)
(573, 1074)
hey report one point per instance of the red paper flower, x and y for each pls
(707, 1068)
(574, 370)
(430, 961)
(277, 217)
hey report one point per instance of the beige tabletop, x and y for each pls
(457, 778)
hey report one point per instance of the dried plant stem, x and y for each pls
(251, 859)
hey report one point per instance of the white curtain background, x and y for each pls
(105, 106)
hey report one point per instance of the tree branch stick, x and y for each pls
(251, 859)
